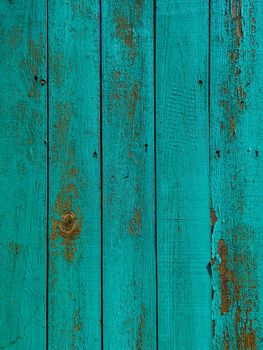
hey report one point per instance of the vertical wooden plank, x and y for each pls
(183, 231)
(236, 172)
(128, 175)
(74, 264)
(23, 175)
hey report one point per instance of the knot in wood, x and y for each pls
(68, 226)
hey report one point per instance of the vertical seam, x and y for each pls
(155, 172)
(209, 142)
(47, 177)
(101, 176)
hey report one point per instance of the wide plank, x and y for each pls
(23, 170)
(74, 175)
(236, 173)
(129, 298)
(182, 165)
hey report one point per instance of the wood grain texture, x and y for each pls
(236, 176)
(22, 175)
(183, 231)
(118, 134)
(129, 300)
(74, 179)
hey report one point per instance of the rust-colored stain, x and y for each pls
(136, 223)
(238, 287)
(125, 31)
(235, 86)
(134, 97)
(139, 340)
(236, 14)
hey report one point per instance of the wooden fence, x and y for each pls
(131, 174)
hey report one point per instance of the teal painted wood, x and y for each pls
(129, 301)
(236, 173)
(23, 175)
(183, 229)
(74, 265)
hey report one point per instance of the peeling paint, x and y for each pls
(125, 32)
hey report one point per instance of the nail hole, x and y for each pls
(95, 155)
(256, 152)
(200, 82)
(42, 82)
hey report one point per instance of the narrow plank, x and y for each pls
(74, 264)
(236, 173)
(128, 175)
(183, 229)
(23, 175)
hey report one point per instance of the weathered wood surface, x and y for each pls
(183, 229)
(122, 123)
(74, 309)
(236, 179)
(129, 298)
(23, 167)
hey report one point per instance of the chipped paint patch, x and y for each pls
(238, 288)
(236, 84)
(125, 32)
(136, 223)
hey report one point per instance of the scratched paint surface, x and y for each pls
(122, 122)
